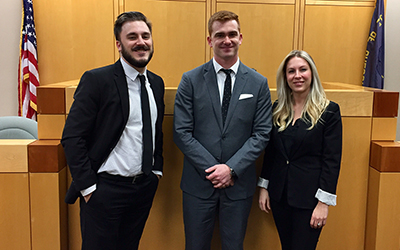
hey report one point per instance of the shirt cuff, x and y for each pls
(263, 183)
(156, 172)
(88, 190)
(325, 197)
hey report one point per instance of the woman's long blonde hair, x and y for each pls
(316, 101)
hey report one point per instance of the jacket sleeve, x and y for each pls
(158, 151)
(256, 143)
(332, 149)
(268, 161)
(269, 155)
(193, 150)
(77, 130)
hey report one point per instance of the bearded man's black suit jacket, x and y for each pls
(96, 121)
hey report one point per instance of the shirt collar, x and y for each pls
(130, 71)
(218, 67)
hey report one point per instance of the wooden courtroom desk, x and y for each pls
(33, 182)
(357, 192)
(14, 195)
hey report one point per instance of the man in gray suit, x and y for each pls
(222, 121)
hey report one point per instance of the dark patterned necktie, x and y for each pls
(227, 94)
(147, 160)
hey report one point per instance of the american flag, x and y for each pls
(28, 76)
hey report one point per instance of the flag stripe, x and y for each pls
(28, 75)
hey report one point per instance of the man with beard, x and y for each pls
(113, 141)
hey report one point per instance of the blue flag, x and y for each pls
(374, 63)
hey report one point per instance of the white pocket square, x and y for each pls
(245, 96)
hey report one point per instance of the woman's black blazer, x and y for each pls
(314, 161)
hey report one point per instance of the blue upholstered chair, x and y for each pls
(15, 127)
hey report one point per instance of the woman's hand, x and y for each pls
(263, 200)
(319, 216)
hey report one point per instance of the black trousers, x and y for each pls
(117, 211)
(199, 217)
(293, 224)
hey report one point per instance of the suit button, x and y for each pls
(287, 162)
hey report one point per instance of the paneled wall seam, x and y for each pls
(302, 17)
(295, 44)
(370, 3)
(30, 206)
(299, 16)
(211, 6)
(119, 7)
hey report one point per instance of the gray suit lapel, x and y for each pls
(210, 80)
(240, 82)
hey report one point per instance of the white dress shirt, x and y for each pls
(221, 76)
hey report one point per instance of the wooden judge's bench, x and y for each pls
(34, 179)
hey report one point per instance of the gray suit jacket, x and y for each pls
(200, 135)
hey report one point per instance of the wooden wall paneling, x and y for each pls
(336, 37)
(46, 156)
(169, 99)
(69, 98)
(268, 31)
(261, 230)
(48, 210)
(383, 222)
(275, 2)
(299, 24)
(164, 228)
(14, 155)
(386, 103)
(119, 7)
(50, 99)
(73, 36)
(50, 126)
(368, 3)
(384, 128)
(15, 222)
(352, 102)
(179, 29)
(74, 226)
(346, 221)
(372, 209)
(385, 156)
(211, 8)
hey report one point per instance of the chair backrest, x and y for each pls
(16, 127)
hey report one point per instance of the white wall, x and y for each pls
(392, 51)
(10, 25)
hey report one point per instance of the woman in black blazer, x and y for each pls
(302, 160)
